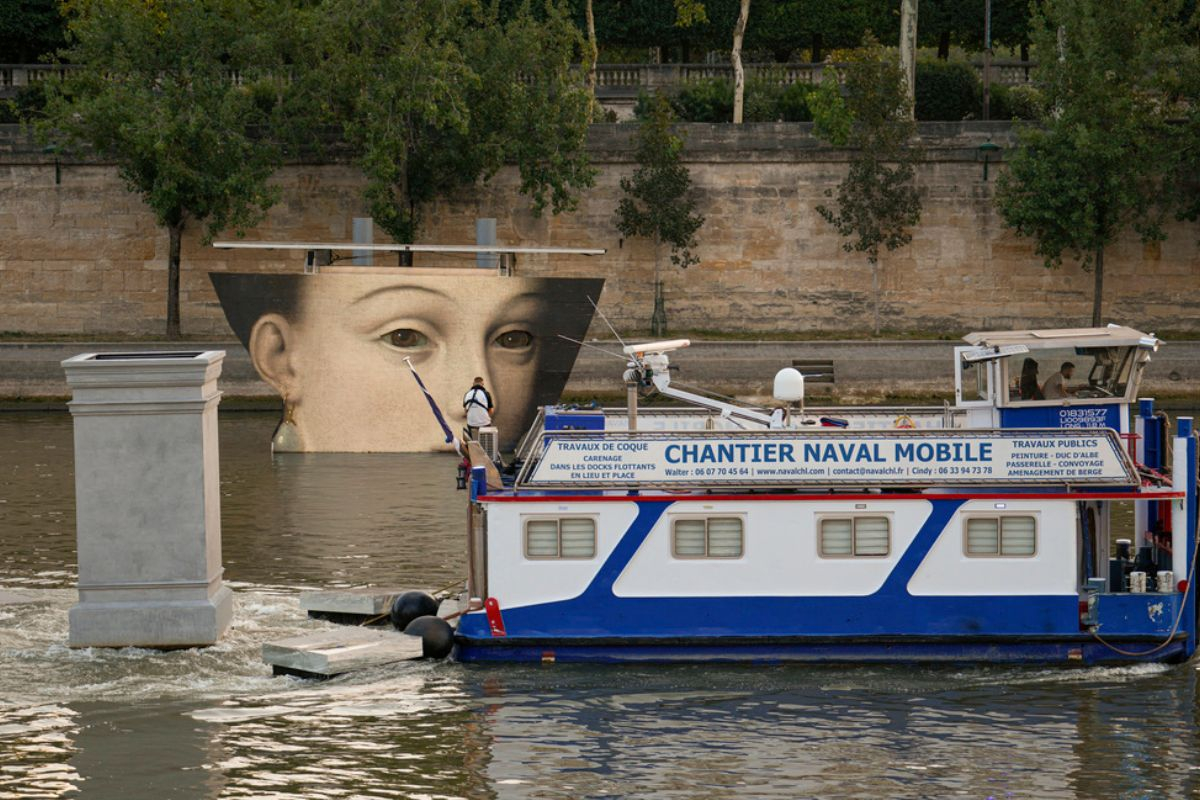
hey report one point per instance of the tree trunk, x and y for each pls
(818, 47)
(593, 56)
(176, 233)
(739, 75)
(908, 49)
(1098, 289)
(875, 290)
(658, 317)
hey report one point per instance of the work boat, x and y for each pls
(1005, 527)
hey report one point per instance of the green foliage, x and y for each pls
(153, 92)
(792, 104)
(166, 89)
(1099, 163)
(780, 27)
(877, 203)
(689, 13)
(30, 31)
(711, 100)
(1021, 102)
(451, 92)
(658, 202)
(705, 100)
(947, 90)
(961, 22)
(27, 105)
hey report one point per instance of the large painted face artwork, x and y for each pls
(334, 345)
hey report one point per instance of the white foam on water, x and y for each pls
(37, 666)
(1065, 675)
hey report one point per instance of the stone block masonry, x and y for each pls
(84, 255)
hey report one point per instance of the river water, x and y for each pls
(214, 723)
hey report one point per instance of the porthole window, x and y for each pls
(566, 537)
(852, 537)
(1014, 536)
(714, 537)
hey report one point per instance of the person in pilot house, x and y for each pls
(1055, 387)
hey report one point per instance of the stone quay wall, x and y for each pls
(80, 254)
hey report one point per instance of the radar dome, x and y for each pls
(789, 385)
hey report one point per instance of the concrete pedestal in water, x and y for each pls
(147, 500)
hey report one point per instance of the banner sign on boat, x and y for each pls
(893, 458)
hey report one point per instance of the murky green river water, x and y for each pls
(214, 723)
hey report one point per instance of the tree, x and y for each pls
(1099, 161)
(434, 97)
(180, 94)
(658, 202)
(877, 203)
(30, 30)
(690, 12)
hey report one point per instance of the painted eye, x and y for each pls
(405, 338)
(515, 340)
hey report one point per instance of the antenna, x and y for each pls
(592, 346)
(606, 322)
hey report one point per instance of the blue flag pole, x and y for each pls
(437, 412)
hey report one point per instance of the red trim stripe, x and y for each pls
(705, 498)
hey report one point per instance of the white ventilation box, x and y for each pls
(489, 440)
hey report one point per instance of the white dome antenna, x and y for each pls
(789, 385)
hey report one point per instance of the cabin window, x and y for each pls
(849, 537)
(567, 537)
(713, 537)
(1001, 536)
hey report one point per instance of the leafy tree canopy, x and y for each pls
(1102, 157)
(180, 94)
(432, 97)
(877, 204)
(658, 202)
(30, 30)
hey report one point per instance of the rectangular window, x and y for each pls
(1000, 536)
(715, 537)
(570, 537)
(848, 537)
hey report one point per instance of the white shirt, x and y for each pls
(1053, 389)
(476, 403)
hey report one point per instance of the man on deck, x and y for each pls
(479, 408)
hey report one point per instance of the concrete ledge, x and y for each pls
(863, 369)
(165, 625)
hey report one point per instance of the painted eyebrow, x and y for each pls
(382, 290)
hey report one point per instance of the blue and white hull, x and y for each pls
(923, 602)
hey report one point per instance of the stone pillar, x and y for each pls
(147, 500)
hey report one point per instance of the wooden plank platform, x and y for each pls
(367, 602)
(333, 652)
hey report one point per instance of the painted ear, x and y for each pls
(271, 351)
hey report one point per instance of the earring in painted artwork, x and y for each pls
(286, 438)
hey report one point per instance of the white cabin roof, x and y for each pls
(1112, 336)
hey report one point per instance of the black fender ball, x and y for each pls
(409, 606)
(437, 637)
